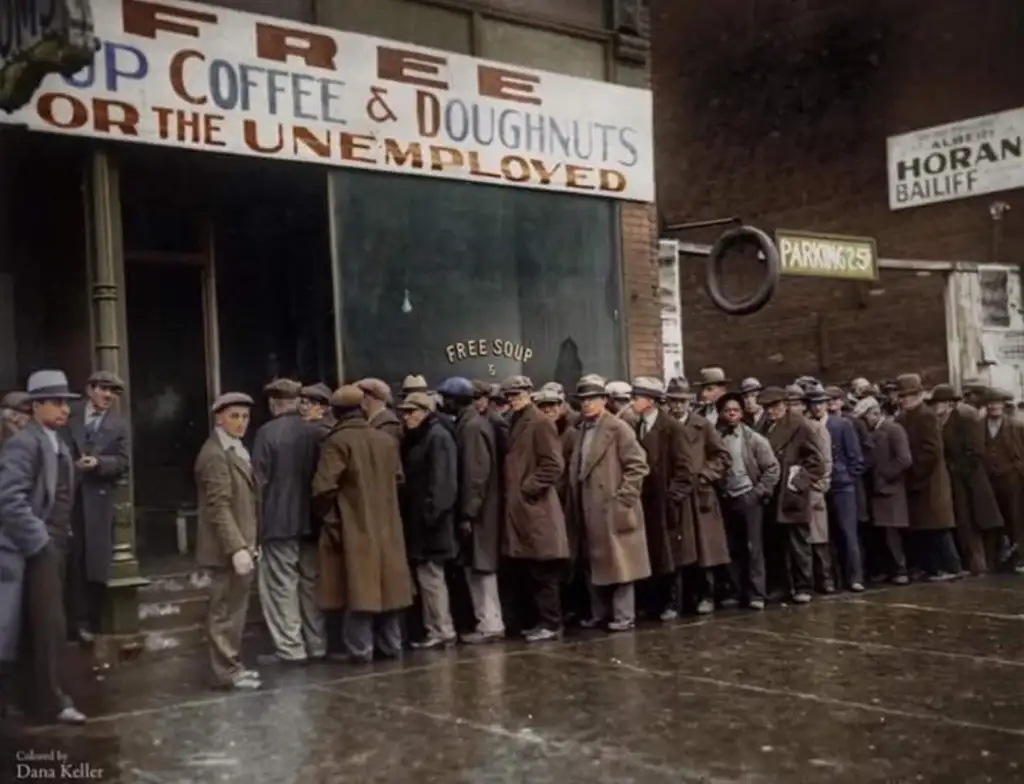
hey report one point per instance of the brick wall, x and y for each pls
(778, 111)
(640, 288)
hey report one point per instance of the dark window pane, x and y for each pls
(449, 278)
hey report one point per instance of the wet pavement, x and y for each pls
(917, 684)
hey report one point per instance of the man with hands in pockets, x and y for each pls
(228, 498)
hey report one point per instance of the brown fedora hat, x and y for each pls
(909, 384)
(944, 393)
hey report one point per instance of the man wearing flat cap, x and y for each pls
(98, 439)
(929, 493)
(15, 413)
(753, 412)
(377, 405)
(665, 490)
(228, 495)
(364, 571)
(535, 529)
(284, 456)
(484, 395)
(1004, 462)
(606, 474)
(315, 405)
(37, 478)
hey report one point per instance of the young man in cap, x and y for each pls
(606, 474)
(37, 479)
(284, 456)
(226, 539)
(1004, 462)
(363, 567)
(98, 439)
(535, 531)
(929, 493)
(377, 406)
(315, 405)
(15, 413)
(429, 497)
(754, 414)
(478, 511)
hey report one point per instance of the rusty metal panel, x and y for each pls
(401, 20)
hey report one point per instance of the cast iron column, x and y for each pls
(121, 603)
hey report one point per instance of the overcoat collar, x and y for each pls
(600, 444)
(783, 432)
(235, 461)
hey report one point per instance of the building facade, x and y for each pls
(779, 113)
(446, 188)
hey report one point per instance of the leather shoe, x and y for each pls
(71, 715)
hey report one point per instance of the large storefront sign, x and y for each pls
(827, 255)
(40, 37)
(956, 161)
(202, 77)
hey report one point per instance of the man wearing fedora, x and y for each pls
(1004, 462)
(713, 384)
(665, 490)
(284, 456)
(15, 413)
(678, 397)
(811, 402)
(606, 473)
(978, 519)
(620, 401)
(37, 477)
(929, 494)
(99, 443)
(228, 496)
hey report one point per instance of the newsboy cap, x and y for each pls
(864, 405)
(229, 399)
(283, 388)
(347, 396)
(546, 396)
(769, 396)
(481, 388)
(17, 401)
(318, 393)
(555, 386)
(376, 388)
(648, 386)
(418, 401)
(835, 393)
(107, 379)
(517, 384)
(456, 386)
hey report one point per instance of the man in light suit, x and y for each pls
(229, 503)
(37, 479)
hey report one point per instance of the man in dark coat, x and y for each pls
(429, 499)
(886, 461)
(847, 467)
(284, 458)
(929, 495)
(666, 488)
(483, 402)
(535, 530)
(1004, 462)
(478, 511)
(37, 478)
(98, 440)
(979, 522)
(315, 405)
(802, 467)
(377, 406)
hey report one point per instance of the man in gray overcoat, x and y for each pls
(284, 459)
(99, 444)
(37, 478)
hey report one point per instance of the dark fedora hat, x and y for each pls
(771, 395)
(944, 393)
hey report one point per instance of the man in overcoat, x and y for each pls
(284, 456)
(227, 537)
(535, 530)
(377, 406)
(606, 474)
(887, 459)
(315, 404)
(478, 508)
(363, 568)
(678, 397)
(37, 478)
(98, 439)
(929, 494)
(429, 500)
(1004, 462)
(979, 522)
(841, 499)
(811, 401)
(665, 489)
(745, 490)
(802, 468)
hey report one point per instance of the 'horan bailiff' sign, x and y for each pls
(201, 77)
(827, 255)
(955, 161)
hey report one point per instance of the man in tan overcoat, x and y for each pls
(814, 406)
(534, 531)
(363, 568)
(979, 522)
(886, 460)
(667, 487)
(606, 474)
(929, 494)
(377, 406)
(226, 538)
(1004, 462)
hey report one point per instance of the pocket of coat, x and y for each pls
(705, 500)
(625, 518)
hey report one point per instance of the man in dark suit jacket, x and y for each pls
(37, 478)
(98, 440)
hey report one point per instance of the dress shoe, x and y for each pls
(431, 642)
(705, 607)
(71, 715)
(668, 615)
(544, 635)
(857, 587)
(244, 682)
(482, 638)
(802, 597)
(756, 604)
(621, 626)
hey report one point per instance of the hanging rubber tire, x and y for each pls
(743, 235)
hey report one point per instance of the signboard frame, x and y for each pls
(838, 239)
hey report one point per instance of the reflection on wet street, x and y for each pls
(916, 684)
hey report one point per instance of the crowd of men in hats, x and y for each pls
(365, 518)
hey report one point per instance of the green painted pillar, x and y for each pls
(120, 615)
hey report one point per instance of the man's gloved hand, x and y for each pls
(241, 562)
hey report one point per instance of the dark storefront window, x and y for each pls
(449, 278)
